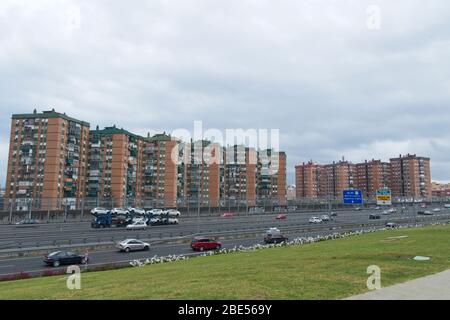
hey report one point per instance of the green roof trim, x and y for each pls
(114, 130)
(48, 115)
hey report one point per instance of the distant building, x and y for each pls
(440, 190)
(372, 176)
(291, 192)
(410, 177)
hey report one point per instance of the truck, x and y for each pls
(103, 220)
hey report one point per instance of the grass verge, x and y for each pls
(325, 270)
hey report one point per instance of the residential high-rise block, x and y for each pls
(271, 176)
(47, 160)
(411, 177)
(239, 175)
(307, 180)
(337, 177)
(115, 163)
(372, 176)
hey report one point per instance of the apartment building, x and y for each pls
(336, 177)
(410, 177)
(271, 176)
(307, 180)
(160, 170)
(199, 170)
(372, 176)
(239, 174)
(47, 160)
(115, 163)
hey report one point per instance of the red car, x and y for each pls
(202, 243)
(281, 217)
(228, 215)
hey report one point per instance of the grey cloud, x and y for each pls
(310, 68)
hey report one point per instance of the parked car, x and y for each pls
(273, 235)
(28, 222)
(58, 258)
(374, 216)
(203, 243)
(315, 220)
(132, 245)
(281, 217)
(96, 211)
(228, 215)
(391, 225)
(325, 218)
(138, 225)
(119, 211)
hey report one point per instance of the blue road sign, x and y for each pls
(353, 197)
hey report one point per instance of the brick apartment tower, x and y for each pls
(239, 174)
(307, 180)
(199, 171)
(160, 170)
(337, 177)
(115, 161)
(411, 177)
(372, 176)
(47, 160)
(271, 176)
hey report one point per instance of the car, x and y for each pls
(392, 210)
(155, 212)
(378, 208)
(28, 222)
(273, 235)
(386, 212)
(155, 221)
(334, 214)
(281, 217)
(138, 225)
(228, 215)
(425, 213)
(315, 220)
(119, 211)
(374, 216)
(173, 213)
(96, 211)
(57, 258)
(136, 210)
(358, 209)
(204, 243)
(447, 206)
(391, 225)
(132, 245)
(325, 218)
(437, 210)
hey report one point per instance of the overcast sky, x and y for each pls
(336, 80)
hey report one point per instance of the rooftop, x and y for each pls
(47, 115)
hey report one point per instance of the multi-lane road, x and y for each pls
(296, 225)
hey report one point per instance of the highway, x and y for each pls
(296, 225)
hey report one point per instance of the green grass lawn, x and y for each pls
(326, 270)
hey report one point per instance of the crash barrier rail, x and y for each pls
(173, 235)
(81, 210)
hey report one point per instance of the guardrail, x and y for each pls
(183, 236)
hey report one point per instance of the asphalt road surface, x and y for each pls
(236, 225)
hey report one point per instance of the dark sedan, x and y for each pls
(58, 258)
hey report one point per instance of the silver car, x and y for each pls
(133, 245)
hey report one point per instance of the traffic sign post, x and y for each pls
(353, 196)
(384, 197)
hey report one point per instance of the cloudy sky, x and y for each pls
(354, 78)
